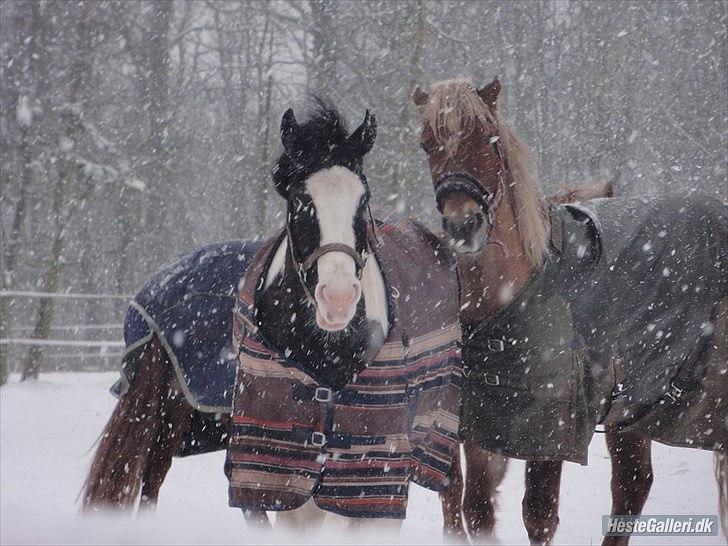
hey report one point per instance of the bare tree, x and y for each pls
(71, 181)
(156, 132)
(23, 87)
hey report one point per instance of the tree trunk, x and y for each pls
(402, 178)
(30, 59)
(31, 365)
(232, 69)
(324, 45)
(263, 142)
(157, 96)
(69, 172)
(13, 249)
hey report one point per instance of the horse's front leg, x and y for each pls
(306, 519)
(483, 472)
(452, 503)
(631, 475)
(541, 500)
(257, 519)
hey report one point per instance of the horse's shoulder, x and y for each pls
(409, 243)
(420, 270)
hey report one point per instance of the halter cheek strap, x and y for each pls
(498, 195)
(300, 273)
(489, 201)
(302, 268)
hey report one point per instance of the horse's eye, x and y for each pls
(424, 147)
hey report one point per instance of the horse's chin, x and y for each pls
(330, 325)
(464, 248)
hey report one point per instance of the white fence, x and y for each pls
(109, 351)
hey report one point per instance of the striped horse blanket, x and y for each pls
(354, 450)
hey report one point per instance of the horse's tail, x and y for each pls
(721, 476)
(127, 442)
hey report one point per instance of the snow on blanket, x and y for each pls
(46, 446)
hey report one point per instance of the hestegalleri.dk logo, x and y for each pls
(660, 525)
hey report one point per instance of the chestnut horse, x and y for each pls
(485, 469)
(498, 225)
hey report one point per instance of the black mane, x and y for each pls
(325, 122)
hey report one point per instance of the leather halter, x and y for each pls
(489, 201)
(333, 247)
(302, 268)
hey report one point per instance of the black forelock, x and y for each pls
(320, 143)
(324, 122)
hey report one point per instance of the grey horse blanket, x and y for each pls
(188, 305)
(625, 322)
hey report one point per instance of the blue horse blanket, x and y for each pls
(188, 305)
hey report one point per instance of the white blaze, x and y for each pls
(277, 263)
(336, 193)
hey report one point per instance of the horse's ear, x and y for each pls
(363, 138)
(289, 126)
(420, 97)
(489, 94)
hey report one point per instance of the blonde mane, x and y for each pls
(453, 112)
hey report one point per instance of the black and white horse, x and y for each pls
(326, 316)
(322, 296)
(321, 314)
(348, 386)
(324, 303)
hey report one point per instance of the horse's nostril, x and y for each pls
(338, 295)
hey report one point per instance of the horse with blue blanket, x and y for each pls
(177, 376)
(346, 388)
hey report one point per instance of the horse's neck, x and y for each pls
(489, 280)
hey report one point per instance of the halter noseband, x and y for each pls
(489, 201)
(334, 247)
(302, 268)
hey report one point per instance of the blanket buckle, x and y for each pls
(675, 392)
(496, 345)
(491, 379)
(318, 439)
(323, 394)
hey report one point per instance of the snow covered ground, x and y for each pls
(47, 430)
